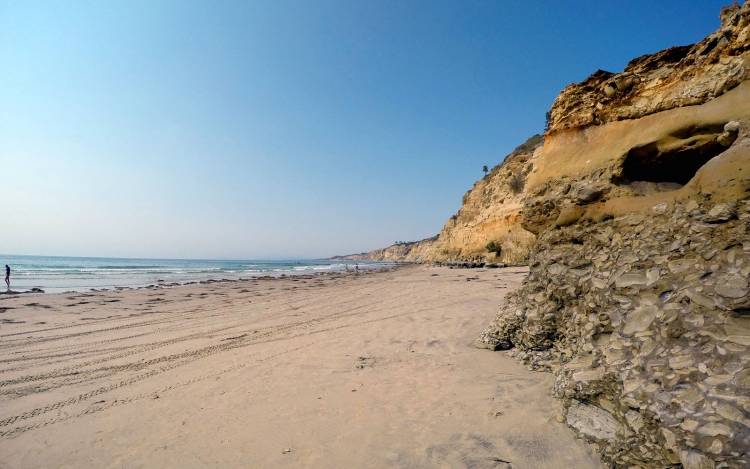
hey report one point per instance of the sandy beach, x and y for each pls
(370, 370)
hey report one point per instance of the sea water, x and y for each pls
(56, 274)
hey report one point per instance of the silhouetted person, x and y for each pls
(7, 275)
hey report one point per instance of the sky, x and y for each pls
(283, 129)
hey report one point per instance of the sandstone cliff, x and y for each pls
(487, 226)
(675, 77)
(397, 252)
(638, 296)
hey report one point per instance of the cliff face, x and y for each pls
(638, 296)
(487, 226)
(399, 252)
(675, 77)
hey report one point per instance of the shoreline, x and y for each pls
(162, 283)
(369, 370)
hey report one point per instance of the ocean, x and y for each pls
(58, 274)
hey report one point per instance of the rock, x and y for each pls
(737, 330)
(677, 266)
(624, 82)
(592, 421)
(690, 425)
(695, 460)
(490, 344)
(691, 205)
(680, 361)
(715, 429)
(634, 419)
(732, 286)
(716, 446)
(743, 379)
(731, 413)
(726, 139)
(584, 377)
(652, 276)
(631, 279)
(720, 213)
(659, 209)
(640, 319)
(732, 127)
(588, 194)
(700, 299)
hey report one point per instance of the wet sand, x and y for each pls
(373, 370)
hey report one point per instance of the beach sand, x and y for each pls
(331, 371)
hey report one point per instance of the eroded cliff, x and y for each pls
(675, 77)
(397, 252)
(638, 297)
(486, 228)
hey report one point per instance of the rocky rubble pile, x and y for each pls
(645, 320)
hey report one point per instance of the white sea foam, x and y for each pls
(77, 273)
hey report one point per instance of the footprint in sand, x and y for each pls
(466, 450)
(11, 321)
(364, 362)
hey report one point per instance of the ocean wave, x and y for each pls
(59, 274)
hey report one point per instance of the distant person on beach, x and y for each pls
(7, 275)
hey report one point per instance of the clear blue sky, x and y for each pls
(277, 129)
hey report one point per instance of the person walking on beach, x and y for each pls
(7, 276)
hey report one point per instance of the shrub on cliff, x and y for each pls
(516, 182)
(494, 246)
